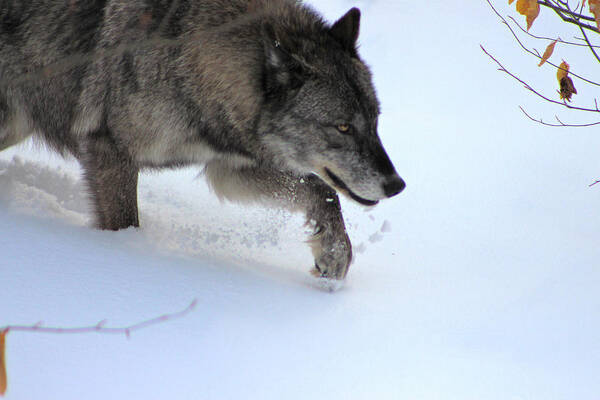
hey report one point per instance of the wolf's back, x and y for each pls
(48, 47)
(35, 33)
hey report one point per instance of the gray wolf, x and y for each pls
(272, 100)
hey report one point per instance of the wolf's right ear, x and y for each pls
(277, 66)
(346, 29)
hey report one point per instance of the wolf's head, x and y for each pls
(322, 109)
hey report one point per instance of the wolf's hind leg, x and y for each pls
(330, 244)
(112, 182)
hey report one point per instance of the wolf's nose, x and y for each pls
(394, 186)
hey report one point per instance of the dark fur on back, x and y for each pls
(274, 101)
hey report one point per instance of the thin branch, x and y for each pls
(576, 22)
(560, 123)
(100, 326)
(580, 6)
(582, 40)
(535, 53)
(574, 14)
(594, 183)
(575, 17)
(528, 87)
(548, 38)
(581, 28)
(589, 44)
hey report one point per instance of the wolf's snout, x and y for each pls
(393, 186)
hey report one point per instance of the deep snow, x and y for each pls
(480, 281)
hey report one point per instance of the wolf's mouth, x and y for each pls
(341, 185)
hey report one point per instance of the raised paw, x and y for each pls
(332, 251)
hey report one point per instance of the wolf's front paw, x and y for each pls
(332, 251)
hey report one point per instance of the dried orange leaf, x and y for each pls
(2, 362)
(595, 9)
(547, 53)
(522, 6)
(529, 8)
(510, 2)
(567, 89)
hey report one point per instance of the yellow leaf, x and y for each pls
(529, 8)
(595, 9)
(567, 89)
(563, 70)
(547, 53)
(2, 362)
(510, 2)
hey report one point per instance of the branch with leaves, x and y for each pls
(100, 327)
(531, 89)
(587, 20)
(566, 88)
(563, 10)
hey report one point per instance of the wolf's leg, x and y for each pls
(330, 243)
(4, 142)
(11, 132)
(112, 179)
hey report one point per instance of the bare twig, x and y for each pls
(575, 15)
(581, 28)
(100, 326)
(528, 87)
(594, 183)
(560, 123)
(559, 40)
(589, 44)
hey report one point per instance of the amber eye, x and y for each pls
(344, 128)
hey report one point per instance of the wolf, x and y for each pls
(270, 99)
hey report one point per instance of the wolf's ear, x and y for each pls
(345, 30)
(278, 63)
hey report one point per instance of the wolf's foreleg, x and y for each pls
(330, 243)
(112, 181)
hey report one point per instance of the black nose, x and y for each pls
(394, 186)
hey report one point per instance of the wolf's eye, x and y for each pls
(343, 128)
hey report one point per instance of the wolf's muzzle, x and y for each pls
(393, 186)
(340, 185)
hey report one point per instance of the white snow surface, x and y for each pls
(480, 281)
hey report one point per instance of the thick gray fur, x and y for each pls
(272, 100)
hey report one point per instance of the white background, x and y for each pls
(480, 281)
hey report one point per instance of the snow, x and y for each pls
(480, 281)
